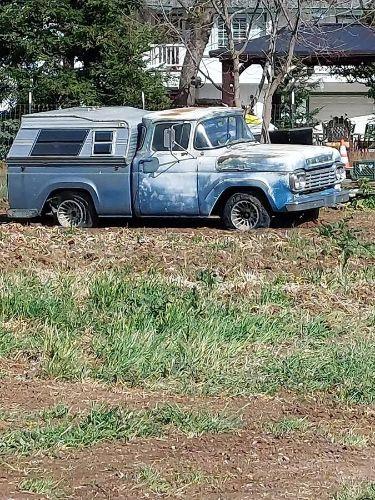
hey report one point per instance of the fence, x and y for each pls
(10, 120)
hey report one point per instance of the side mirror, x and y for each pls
(169, 138)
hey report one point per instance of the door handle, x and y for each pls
(149, 165)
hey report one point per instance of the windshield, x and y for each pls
(222, 131)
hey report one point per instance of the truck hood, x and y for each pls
(275, 157)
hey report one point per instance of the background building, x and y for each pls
(332, 95)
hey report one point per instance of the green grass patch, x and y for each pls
(42, 486)
(105, 423)
(149, 477)
(346, 369)
(146, 332)
(287, 426)
(350, 438)
(361, 491)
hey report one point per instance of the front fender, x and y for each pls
(216, 192)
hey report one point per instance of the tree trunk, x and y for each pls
(198, 25)
(236, 81)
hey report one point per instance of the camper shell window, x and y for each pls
(103, 142)
(59, 142)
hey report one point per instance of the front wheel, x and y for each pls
(72, 209)
(244, 212)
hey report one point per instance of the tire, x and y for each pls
(73, 209)
(245, 212)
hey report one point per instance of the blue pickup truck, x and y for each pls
(80, 164)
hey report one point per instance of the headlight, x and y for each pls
(340, 173)
(298, 180)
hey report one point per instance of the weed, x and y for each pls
(346, 240)
(42, 486)
(148, 476)
(56, 412)
(348, 369)
(208, 277)
(193, 423)
(361, 491)
(349, 438)
(104, 423)
(286, 426)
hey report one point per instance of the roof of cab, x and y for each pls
(190, 113)
(126, 114)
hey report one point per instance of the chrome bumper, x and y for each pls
(318, 200)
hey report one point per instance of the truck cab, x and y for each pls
(83, 163)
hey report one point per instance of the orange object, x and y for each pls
(344, 154)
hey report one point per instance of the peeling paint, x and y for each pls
(273, 157)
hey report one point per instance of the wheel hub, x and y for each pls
(70, 213)
(245, 215)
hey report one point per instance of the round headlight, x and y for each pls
(298, 180)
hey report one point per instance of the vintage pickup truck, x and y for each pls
(83, 163)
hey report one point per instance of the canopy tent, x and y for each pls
(316, 45)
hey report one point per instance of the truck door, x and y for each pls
(167, 180)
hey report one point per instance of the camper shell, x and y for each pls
(82, 163)
(71, 148)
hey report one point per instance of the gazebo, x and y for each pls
(316, 45)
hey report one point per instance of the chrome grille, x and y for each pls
(320, 178)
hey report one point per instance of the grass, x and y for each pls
(350, 438)
(105, 423)
(287, 426)
(145, 331)
(42, 486)
(3, 184)
(175, 483)
(361, 491)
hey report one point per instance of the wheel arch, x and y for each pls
(84, 189)
(228, 192)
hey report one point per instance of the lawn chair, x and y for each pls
(336, 129)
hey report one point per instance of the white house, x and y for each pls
(333, 95)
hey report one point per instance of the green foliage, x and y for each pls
(297, 114)
(361, 73)
(71, 52)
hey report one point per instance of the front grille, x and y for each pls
(320, 178)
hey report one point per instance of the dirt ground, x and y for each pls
(249, 463)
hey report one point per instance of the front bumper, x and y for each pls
(317, 200)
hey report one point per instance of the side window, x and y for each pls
(59, 142)
(182, 136)
(103, 142)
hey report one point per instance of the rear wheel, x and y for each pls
(73, 209)
(244, 212)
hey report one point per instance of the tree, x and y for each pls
(74, 52)
(197, 18)
(362, 73)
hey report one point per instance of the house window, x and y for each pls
(103, 142)
(239, 30)
(59, 142)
